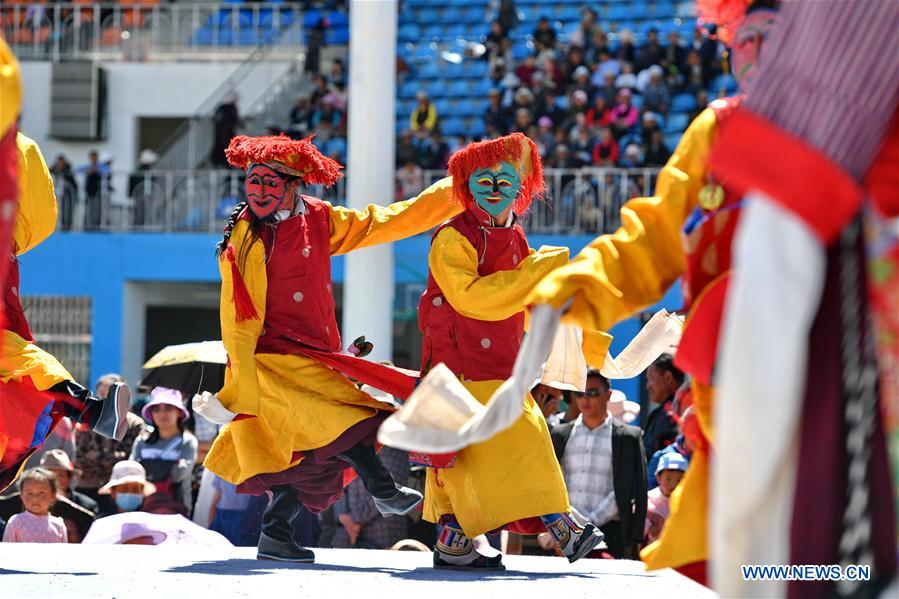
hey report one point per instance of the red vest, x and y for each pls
(14, 314)
(477, 350)
(299, 303)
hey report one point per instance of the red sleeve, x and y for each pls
(613, 155)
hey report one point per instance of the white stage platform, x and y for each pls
(127, 571)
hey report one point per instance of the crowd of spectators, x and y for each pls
(590, 102)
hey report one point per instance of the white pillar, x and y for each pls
(368, 279)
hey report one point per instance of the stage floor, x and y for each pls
(126, 571)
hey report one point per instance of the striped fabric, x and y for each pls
(829, 77)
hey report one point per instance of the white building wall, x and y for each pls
(134, 90)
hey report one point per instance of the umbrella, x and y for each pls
(190, 367)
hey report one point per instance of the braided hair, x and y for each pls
(222, 245)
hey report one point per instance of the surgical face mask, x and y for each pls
(129, 502)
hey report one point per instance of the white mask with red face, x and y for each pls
(748, 43)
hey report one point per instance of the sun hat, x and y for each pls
(672, 461)
(127, 471)
(57, 459)
(135, 530)
(162, 395)
(582, 71)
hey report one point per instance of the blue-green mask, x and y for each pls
(494, 190)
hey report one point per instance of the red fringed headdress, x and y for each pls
(299, 158)
(517, 149)
(726, 14)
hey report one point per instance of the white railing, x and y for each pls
(579, 201)
(147, 30)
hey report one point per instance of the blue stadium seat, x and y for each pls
(476, 68)
(453, 127)
(285, 19)
(476, 128)
(311, 18)
(521, 51)
(677, 122)
(249, 37)
(428, 70)
(637, 101)
(338, 19)
(451, 15)
(453, 70)
(408, 89)
(432, 32)
(408, 32)
(458, 88)
(203, 36)
(683, 103)
(480, 88)
(663, 10)
(619, 12)
(671, 140)
(428, 16)
(467, 108)
(726, 82)
(337, 37)
(443, 106)
(454, 31)
(568, 13)
(472, 15)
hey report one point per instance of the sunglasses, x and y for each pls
(588, 393)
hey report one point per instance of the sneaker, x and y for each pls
(401, 503)
(477, 563)
(112, 421)
(270, 549)
(585, 542)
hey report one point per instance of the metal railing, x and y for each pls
(147, 30)
(580, 201)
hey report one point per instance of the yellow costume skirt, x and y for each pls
(511, 477)
(303, 405)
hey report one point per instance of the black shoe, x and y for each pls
(586, 542)
(404, 501)
(270, 549)
(480, 563)
(112, 421)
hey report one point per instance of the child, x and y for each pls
(669, 473)
(35, 524)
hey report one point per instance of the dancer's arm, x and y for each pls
(621, 273)
(241, 320)
(36, 210)
(454, 264)
(354, 229)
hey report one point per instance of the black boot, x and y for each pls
(276, 541)
(107, 416)
(390, 498)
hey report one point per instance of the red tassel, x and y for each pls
(243, 304)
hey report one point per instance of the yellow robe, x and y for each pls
(514, 475)
(622, 273)
(299, 404)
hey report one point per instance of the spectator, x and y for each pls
(582, 82)
(650, 125)
(552, 109)
(555, 78)
(362, 525)
(96, 454)
(301, 114)
(626, 51)
(606, 151)
(548, 400)
(573, 62)
(435, 152)
(674, 59)
(578, 106)
(632, 157)
(406, 149)
(683, 445)
(524, 118)
(338, 72)
(544, 35)
(94, 172)
(337, 97)
(505, 53)
(507, 15)
(582, 145)
(627, 79)
(326, 113)
(662, 381)
(233, 514)
(226, 120)
(66, 190)
(410, 181)
(651, 52)
(526, 70)
(140, 187)
(656, 96)
(609, 89)
(604, 469)
(58, 462)
(624, 114)
(657, 153)
(599, 114)
(315, 40)
(524, 98)
(128, 487)
(606, 64)
(695, 75)
(668, 474)
(36, 524)
(545, 140)
(77, 519)
(562, 158)
(497, 115)
(424, 117)
(169, 452)
(321, 90)
(584, 35)
(493, 43)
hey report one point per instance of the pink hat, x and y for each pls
(545, 121)
(162, 395)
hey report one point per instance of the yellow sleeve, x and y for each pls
(413, 122)
(36, 211)
(431, 121)
(454, 264)
(626, 271)
(354, 229)
(10, 89)
(241, 391)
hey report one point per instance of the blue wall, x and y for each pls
(99, 265)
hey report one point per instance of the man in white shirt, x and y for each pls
(604, 468)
